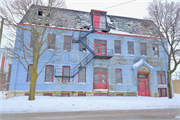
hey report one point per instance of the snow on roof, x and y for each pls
(142, 62)
(83, 21)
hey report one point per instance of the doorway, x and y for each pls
(143, 84)
(100, 78)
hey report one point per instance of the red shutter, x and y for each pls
(96, 20)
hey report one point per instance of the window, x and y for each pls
(130, 47)
(82, 75)
(64, 94)
(67, 43)
(143, 48)
(28, 75)
(118, 75)
(47, 94)
(117, 46)
(81, 94)
(49, 73)
(161, 77)
(119, 94)
(26, 94)
(99, 21)
(162, 92)
(82, 48)
(51, 41)
(155, 50)
(66, 72)
(40, 13)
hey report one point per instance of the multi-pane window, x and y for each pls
(66, 72)
(51, 41)
(161, 77)
(82, 75)
(118, 75)
(143, 48)
(67, 43)
(28, 75)
(162, 92)
(155, 50)
(117, 46)
(49, 73)
(99, 21)
(130, 47)
(102, 22)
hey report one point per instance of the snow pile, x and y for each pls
(54, 104)
(3, 94)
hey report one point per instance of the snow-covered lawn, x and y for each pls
(54, 104)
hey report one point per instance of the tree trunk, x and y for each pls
(32, 86)
(169, 78)
(169, 86)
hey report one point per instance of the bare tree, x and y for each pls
(166, 16)
(33, 40)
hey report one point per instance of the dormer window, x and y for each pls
(99, 20)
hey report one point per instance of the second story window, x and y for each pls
(49, 73)
(67, 43)
(51, 41)
(155, 50)
(117, 46)
(131, 48)
(99, 21)
(143, 48)
(118, 75)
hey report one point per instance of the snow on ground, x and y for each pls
(55, 104)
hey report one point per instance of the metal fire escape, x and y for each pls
(80, 37)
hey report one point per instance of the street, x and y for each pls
(152, 114)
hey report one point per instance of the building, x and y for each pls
(5, 62)
(101, 55)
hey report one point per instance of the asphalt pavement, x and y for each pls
(151, 114)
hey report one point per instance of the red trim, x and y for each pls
(52, 74)
(81, 94)
(26, 94)
(2, 64)
(133, 46)
(53, 35)
(64, 41)
(94, 32)
(63, 72)
(28, 73)
(121, 74)
(162, 75)
(119, 94)
(85, 74)
(47, 94)
(62, 94)
(98, 11)
(100, 94)
(160, 95)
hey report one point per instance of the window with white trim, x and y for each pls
(67, 43)
(143, 48)
(155, 50)
(130, 47)
(161, 77)
(51, 41)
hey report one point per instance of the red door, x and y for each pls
(100, 81)
(100, 49)
(142, 89)
(143, 86)
(96, 20)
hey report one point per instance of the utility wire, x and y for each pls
(120, 4)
